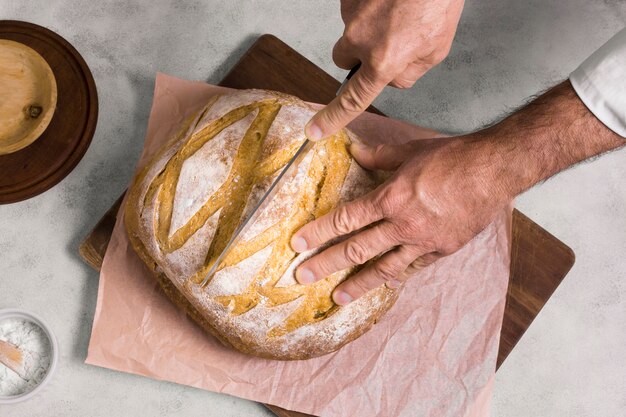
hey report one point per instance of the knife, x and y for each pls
(269, 194)
(350, 74)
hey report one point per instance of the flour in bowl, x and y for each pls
(36, 352)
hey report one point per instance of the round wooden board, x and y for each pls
(50, 158)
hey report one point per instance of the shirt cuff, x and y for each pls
(600, 82)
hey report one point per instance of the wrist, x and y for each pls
(484, 164)
(553, 132)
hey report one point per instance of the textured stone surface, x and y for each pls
(570, 362)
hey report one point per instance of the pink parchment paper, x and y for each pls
(433, 354)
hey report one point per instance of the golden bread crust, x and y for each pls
(186, 202)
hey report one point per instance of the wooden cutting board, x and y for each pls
(539, 261)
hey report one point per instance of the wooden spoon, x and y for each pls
(11, 356)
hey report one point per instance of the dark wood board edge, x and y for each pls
(281, 412)
(527, 295)
(94, 246)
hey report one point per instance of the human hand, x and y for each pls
(396, 42)
(445, 191)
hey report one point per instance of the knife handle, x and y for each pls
(350, 74)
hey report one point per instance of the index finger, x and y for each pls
(357, 95)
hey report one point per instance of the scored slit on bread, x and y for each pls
(187, 201)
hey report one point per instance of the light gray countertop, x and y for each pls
(571, 360)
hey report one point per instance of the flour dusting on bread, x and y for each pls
(255, 303)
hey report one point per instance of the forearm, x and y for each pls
(550, 134)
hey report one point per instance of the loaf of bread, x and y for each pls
(187, 201)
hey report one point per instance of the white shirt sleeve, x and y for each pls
(600, 82)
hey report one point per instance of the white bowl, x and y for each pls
(24, 315)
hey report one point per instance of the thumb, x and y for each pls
(357, 95)
(384, 157)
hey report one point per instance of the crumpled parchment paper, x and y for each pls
(433, 354)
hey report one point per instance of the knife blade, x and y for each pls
(260, 205)
(269, 194)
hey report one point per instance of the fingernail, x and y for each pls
(299, 244)
(393, 284)
(359, 147)
(342, 298)
(313, 131)
(305, 276)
